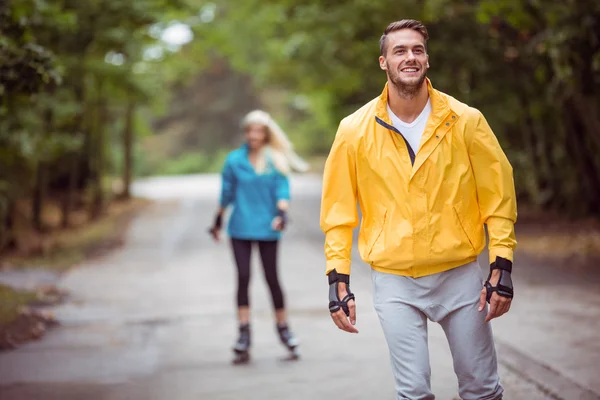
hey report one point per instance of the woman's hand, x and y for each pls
(215, 233)
(215, 230)
(277, 224)
(280, 221)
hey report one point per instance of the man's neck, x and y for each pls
(407, 108)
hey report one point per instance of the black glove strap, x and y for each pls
(217, 224)
(335, 303)
(284, 217)
(504, 287)
(502, 263)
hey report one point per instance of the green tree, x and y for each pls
(71, 73)
(532, 67)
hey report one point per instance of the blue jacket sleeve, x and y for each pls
(227, 185)
(282, 187)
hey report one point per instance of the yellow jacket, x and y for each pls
(422, 218)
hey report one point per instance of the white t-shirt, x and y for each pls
(412, 132)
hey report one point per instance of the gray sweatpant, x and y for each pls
(450, 298)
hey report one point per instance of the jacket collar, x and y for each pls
(440, 122)
(439, 104)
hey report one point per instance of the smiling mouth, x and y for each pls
(409, 69)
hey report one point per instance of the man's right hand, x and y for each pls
(339, 317)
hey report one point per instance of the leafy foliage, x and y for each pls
(80, 79)
(532, 67)
(70, 72)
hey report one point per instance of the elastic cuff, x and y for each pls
(341, 266)
(501, 252)
(334, 276)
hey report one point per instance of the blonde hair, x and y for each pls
(279, 150)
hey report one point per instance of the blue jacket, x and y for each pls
(253, 196)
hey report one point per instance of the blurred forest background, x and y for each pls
(94, 93)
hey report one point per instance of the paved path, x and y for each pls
(156, 320)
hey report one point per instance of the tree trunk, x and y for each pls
(69, 194)
(551, 167)
(100, 121)
(72, 160)
(587, 200)
(6, 225)
(534, 184)
(585, 109)
(41, 176)
(128, 149)
(39, 193)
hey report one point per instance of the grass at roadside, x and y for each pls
(548, 235)
(561, 244)
(62, 249)
(10, 301)
(69, 247)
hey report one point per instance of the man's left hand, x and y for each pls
(499, 305)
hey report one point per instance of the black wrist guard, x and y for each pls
(335, 303)
(284, 217)
(505, 286)
(217, 224)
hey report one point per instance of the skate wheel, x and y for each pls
(293, 356)
(241, 358)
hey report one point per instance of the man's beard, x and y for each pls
(406, 90)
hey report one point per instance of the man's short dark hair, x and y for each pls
(402, 24)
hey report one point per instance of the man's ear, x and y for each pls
(382, 63)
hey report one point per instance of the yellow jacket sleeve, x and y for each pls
(495, 188)
(339, 214)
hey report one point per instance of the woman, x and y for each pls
(255, 182)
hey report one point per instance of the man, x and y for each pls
(427, 173)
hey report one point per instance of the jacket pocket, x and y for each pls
(377, 236)
(465, 230)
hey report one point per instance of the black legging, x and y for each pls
(242, 250)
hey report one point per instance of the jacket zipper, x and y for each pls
(411, 152)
